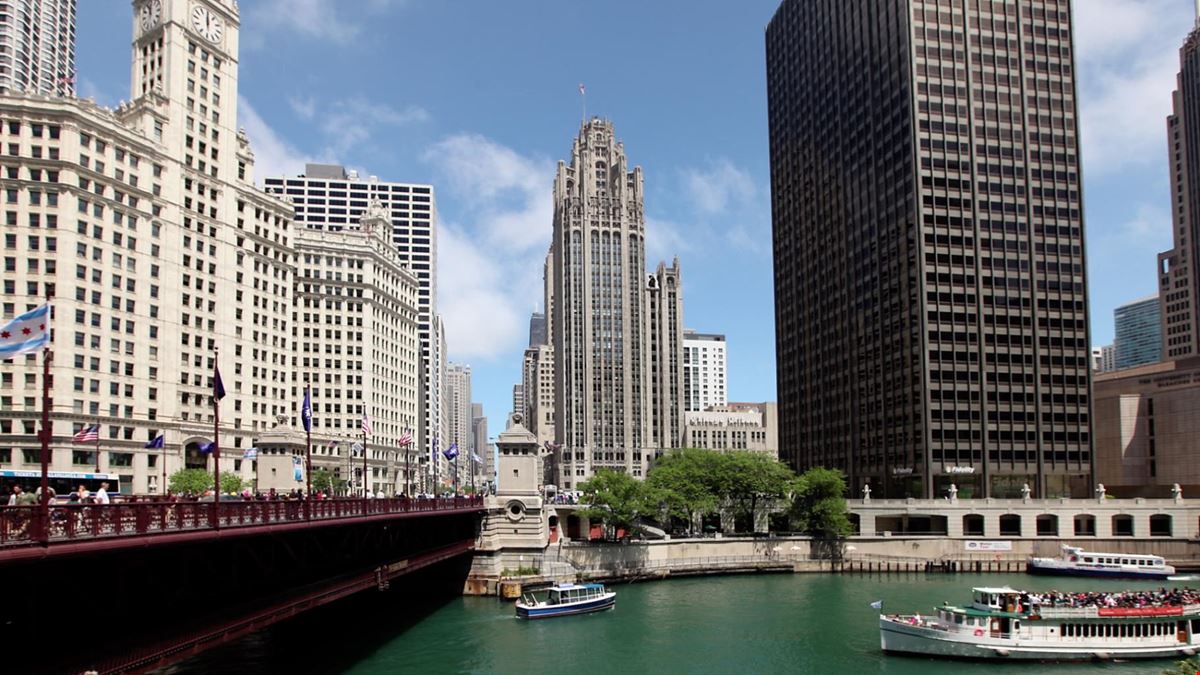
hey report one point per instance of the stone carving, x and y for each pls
(866, 493)
(281, 419)
(953, 490)
(1025, 491)
(1100, 491)
(1176, 492)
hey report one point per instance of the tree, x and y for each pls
(615, 499)
(190, 481)
(1185, 667)
(325, 481)
(682, 485)
(200, 481)
(231, 482)
(750, 478)
(819, 504)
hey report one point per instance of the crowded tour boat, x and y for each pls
(566, 599)
(1008, 624)
(1077, 562)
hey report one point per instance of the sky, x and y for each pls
(481, 99)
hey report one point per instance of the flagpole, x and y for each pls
(162, 489)
(407, 464)
(308, 455)
(97, 447)
(45, 515)
(216, 453)
(364, 435)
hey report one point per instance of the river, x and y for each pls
(780, 623)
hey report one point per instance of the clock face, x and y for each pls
(208, 25)
(150, 14)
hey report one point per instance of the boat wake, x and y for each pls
(1183, 577)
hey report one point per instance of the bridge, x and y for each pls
(135, 586)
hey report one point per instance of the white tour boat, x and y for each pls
(1077, 562)
(1007, 624)
(567, 599)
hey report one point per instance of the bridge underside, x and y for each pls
(132, 608)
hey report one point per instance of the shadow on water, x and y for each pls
(334, 637)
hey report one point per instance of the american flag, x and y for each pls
(582, 90)
(89, 434)
(406, 438)
(366, 424)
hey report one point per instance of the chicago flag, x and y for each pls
(26, 334)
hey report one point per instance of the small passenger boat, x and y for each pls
(1008, 624)
(1077, 562)
(566, 599)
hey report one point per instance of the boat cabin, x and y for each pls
(570, 593)
(996, 599)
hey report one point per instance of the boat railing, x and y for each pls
(1068, 612)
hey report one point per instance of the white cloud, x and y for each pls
(475, 297)
(1128, 58)
(718, 186)
(508, 194)
(349, 122)
(316, 19)
(273, 156)
(665, 240)
(490, 265)
(305, 108)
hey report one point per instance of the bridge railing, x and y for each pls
(28, 525)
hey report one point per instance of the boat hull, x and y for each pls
(1052, 570)
(550, 611)
(900, 638)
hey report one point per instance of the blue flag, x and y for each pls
(158, 443)
(306, 410)
(250, 453)
(878, 604)
(207, 447)
(218, 385)
(452, 451)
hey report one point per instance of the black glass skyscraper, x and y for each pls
(930, 289)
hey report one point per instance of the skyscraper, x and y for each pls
(616, 331)
(1179, 268)
(1138, 333)
(37, 45)
(704, 374)
(931, 312)
(328, 197)
(458, 389)
(537, 330)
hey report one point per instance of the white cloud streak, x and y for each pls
(1128, 57)
(273, 155)
(718, 186)
(490, 265)
(324, 20)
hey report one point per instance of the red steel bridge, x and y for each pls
(136, 586)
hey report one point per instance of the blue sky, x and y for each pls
(481, 99)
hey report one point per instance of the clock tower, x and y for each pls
(185, 55)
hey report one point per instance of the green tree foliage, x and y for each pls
(199, 481)
(190, 481)
(751, 479)
(1185, 667)
(325, 481)
(819, 503)
(683, 484)
(615, 499)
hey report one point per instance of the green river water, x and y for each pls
(780, 623)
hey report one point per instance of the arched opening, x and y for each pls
(573, 527)
(1085, 525)
(1160, 525)
(1122, 525)
(552, 522)
(972, 525)
(193, 458)
(1010, 525)
(1047, 525)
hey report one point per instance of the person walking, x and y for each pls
(102, 494)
